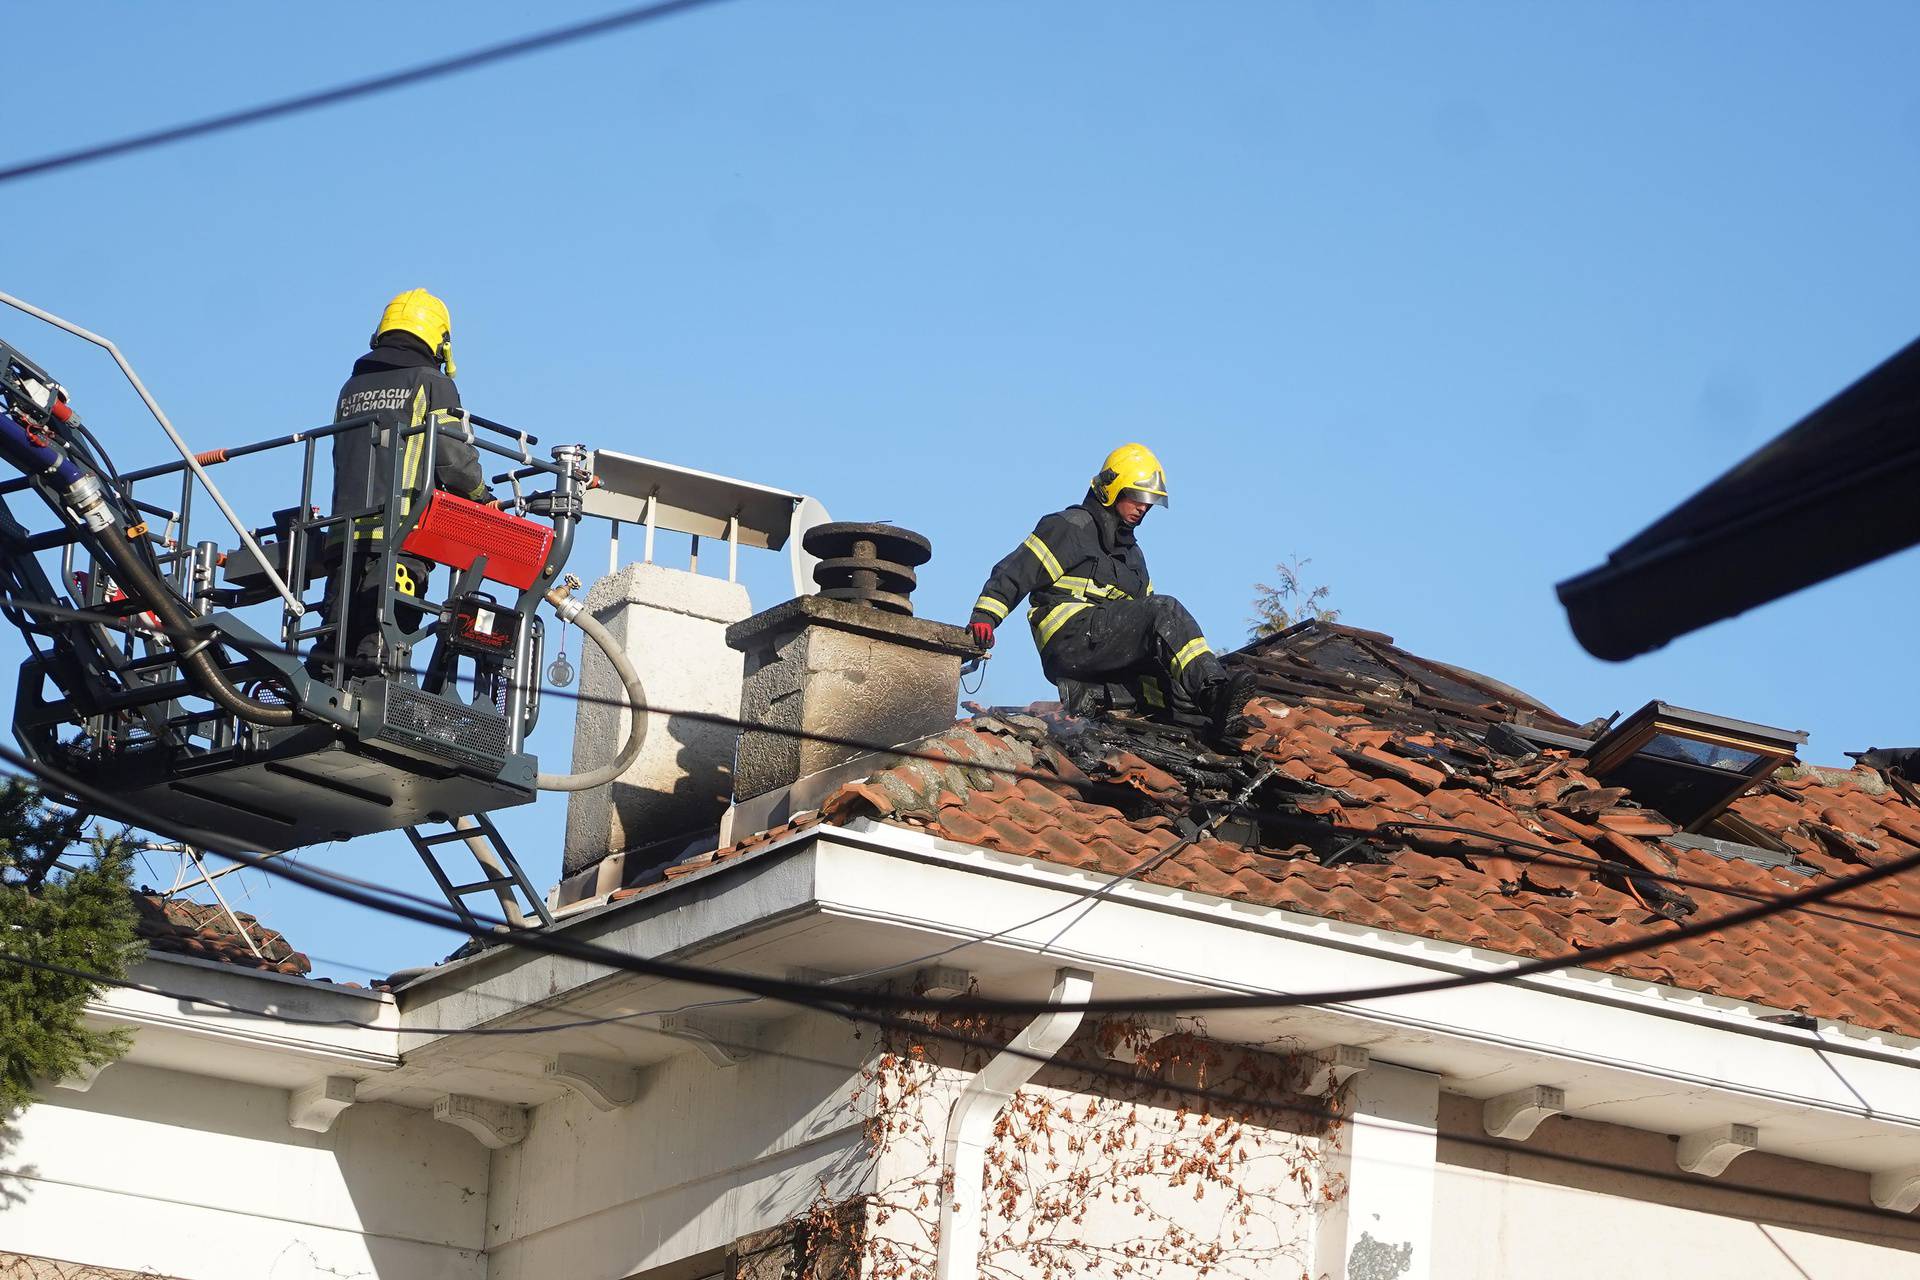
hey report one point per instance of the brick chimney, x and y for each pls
(845, 667)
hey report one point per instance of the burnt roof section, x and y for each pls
(1381, 789)
(1327, 663)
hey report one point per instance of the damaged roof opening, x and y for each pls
(1384, 790)
(1687, 764)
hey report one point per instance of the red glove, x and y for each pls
(982, 633)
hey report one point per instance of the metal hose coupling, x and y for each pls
(88, 502)
(561, 598)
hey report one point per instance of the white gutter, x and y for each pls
(209, 1035)
(972, 1121)
(1586, 1032)
(1624, 1052)
(1722, 1013)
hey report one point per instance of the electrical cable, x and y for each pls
(811, 994)
(1087, 787)
(593, 27)
(1305, 1106)
(1550, 855)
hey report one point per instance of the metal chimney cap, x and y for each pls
(868, 564)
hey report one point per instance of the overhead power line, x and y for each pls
(431, 913)
(1509, 846)
(819, 995)
(1303, 1105)
(1296, 1104)
(592, 28)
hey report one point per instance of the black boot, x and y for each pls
(1228, 698)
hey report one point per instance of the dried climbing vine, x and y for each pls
(1085, 1174)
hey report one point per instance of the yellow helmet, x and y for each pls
(1131, 471)
(425, 317)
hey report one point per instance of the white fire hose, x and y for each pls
(571, 610)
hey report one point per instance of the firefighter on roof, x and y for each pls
(406, 374)
(1104, 637)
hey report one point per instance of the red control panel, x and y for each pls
(455, 531)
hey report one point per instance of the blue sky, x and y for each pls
(1449, 299)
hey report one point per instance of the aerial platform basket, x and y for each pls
(154, 673)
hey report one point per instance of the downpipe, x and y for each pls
(971, 1123)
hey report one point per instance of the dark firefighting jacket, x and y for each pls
(401, 383)
(1074, 560)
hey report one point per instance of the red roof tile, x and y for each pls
(196, 929)
(1354, 758)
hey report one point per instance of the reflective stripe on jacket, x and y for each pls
(1074, 560)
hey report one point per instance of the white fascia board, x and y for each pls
(692, 916)
(1627, 1052)
(373, 1046)
(1706, 1047)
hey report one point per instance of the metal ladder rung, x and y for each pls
(512, 881)
(480, 886)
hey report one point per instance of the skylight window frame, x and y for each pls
(1773, 749)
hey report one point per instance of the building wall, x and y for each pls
(1518, 1211)
(1084, 1179)
(706, 1155)
(709, 1157)
(181, 1175)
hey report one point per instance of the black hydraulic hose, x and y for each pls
(195, 657)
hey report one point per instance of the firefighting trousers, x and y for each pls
(1122, 640)
(362, 621)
